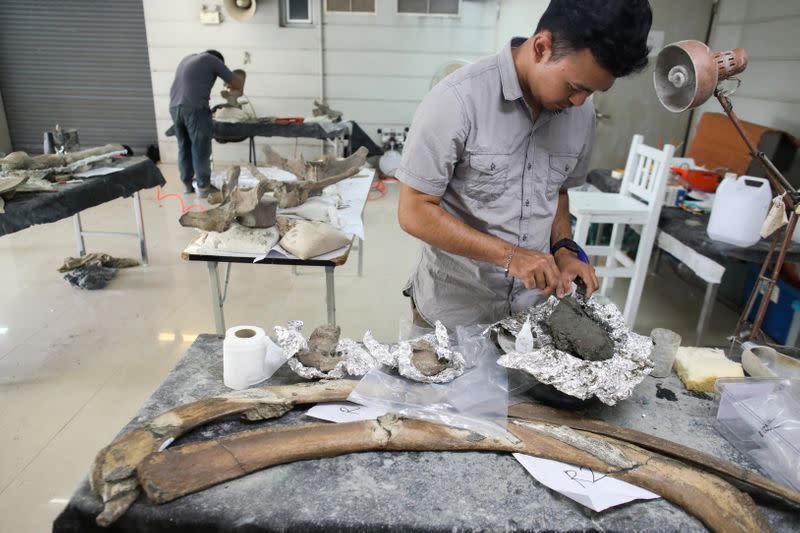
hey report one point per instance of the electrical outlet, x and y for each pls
(210, 17)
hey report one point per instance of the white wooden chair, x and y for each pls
(638, 203)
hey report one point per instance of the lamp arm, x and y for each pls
(779, 182)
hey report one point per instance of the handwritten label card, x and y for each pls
(593, 489)
(344, 412)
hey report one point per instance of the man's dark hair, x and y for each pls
(216, 54)
(615, 31)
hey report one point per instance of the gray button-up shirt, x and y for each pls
(473, 142)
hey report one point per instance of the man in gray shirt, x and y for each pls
(490, 154)
(188, 106)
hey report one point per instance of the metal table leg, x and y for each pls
(137, 211)
(360, 257)
(705, 312)
(218, 295)
(76, 219)
(330, 295)
(656, 259)
(252, 154)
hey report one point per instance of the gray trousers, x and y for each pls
(193, 129)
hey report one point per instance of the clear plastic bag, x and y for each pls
(761, 418)
(477, 400)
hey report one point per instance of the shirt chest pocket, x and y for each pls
(561, 166)
(486, 176)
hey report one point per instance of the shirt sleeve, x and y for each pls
(222, 71)
(435, 141)
(578, 175)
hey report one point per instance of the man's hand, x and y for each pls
(536, 270)
(571, 267)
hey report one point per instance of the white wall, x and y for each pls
(518, 18)
(378, 66)
(768, 33)
(5, 138)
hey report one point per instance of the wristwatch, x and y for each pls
(572, 246)
(569, 244)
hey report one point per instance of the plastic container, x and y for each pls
(767, 362)
(780, 315)
(740, 207)
(701, 180)
(665, 347)
(760, 417)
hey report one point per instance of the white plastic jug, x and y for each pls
(740, 207)
(796, 234)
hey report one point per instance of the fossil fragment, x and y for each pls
(182, 470)
(232, 96)
(274, 159)
(115, 465)
(424, 358)
(574, 331)
(434, 352)
(312, 177)
(113, 474)
(23, 161)
(263, 215)
(9, 184)
(321, 108)
(248, 206)
(543, 413)
(321, 352)
(325, 354)
(610, 381)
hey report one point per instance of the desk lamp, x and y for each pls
(687, 74)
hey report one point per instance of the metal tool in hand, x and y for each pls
(580, 285)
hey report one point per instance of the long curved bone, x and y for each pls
(542, 413)
(113, 473)
(112, 476)
(185, 469)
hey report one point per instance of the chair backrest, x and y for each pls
(646, 172)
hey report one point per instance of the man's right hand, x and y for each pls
(536, 270)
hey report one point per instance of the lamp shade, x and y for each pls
(687, 73)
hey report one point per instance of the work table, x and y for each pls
(408, 491)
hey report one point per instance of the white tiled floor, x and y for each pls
(76, 365)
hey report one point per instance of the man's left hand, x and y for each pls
(571, 267)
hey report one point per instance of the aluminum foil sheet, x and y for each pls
(610, 381)
(356, 360)
(359, 358)
(441, 341)
(380, 352)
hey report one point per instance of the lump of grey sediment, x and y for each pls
(577, 333)
(425, 360)
(321, 353)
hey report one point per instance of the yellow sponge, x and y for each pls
(699, 368)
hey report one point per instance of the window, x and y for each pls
(350, 6)
(429, 7)
(296, 12)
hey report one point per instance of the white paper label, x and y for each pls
(344, 412)
(595, 490)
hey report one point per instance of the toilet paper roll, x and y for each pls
(243, 352)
